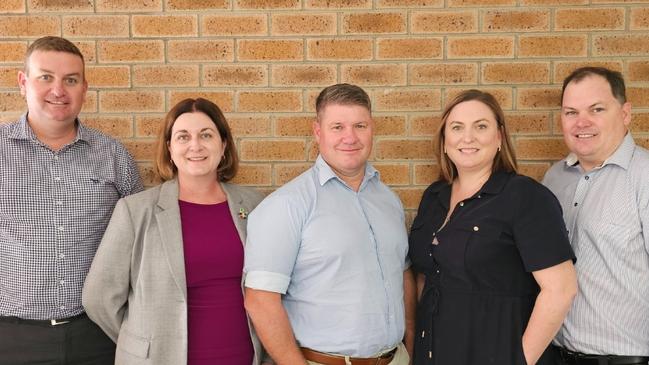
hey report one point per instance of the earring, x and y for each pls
(444, 150)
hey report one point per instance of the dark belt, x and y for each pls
(42, 322)
(327, 359)
(577, 358)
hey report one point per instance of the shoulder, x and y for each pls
(640, 160)
(296, 195)
(246, 193)
(98, 139)
(525, 185)
(144, 198)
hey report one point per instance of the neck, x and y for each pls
(469, 182)
(54, 134)
(204, 190)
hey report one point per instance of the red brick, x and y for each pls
(409, 48)
(389, 125)
(287, 172)
(638, 70)
(528, 123)
(200, 50)
(272, 150)
(235, 75)
(502, 94)
(253, 174)
(302, 24)
(126, 6)
(270, 101)
(131, 101)
(426, 174)
(621, 45)
(270, 50)
(12, 51)
(639, 122)
(443, 73)
(424, 125)
(230, 24)
(516, 72)
(9, 76)
(41, 6)
(339, 49)
(108, 76)
(164, 25)
(141, 149)
(12, 101)
(540, 148)
(480, 47)
(404, 149)
(223, 99)
(454, 3)
(148, 125)
(29, 26)
(552, 46)
(539, 98)
(374, 74)
(374, 23)
(410, 197)
(589, 19)
(638, 96)
(534, 170)
(516, 21)
(411, 3)
(444, 22)
(249, 126)
(148, 175)
(12, 6)
(130, 51)
(303, 75)
(165, 75)
(640, 19)
(338, 4)
(90, 102)
(266, 4)
(95, 26)
(394, 174)
(197, 4)
(407, 99)
(294, 126)
(116, 126)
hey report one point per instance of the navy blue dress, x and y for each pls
(479, 290)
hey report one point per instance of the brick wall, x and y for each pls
(264, 61)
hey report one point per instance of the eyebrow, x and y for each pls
(202, 130)
(43, 70)
(475, 121)
(590, 106)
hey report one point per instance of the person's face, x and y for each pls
(54, 87)
(196, 147)
(593, 121)
(344, 136)
(471, 136)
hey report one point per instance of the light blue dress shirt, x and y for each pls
(338, 257)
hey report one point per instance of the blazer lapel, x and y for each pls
(168, 218)
(238, 211)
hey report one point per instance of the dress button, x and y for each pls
(479, 196)
(586, 177)
(461, 204)
(476, 228)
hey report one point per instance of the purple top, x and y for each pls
(217, 324)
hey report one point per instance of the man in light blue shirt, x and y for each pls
(327, 278)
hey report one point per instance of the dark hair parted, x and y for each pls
(228, 166)
(505, 159)
(342, 94)
(53, 44)
(614, 79)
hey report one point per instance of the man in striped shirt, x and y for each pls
(603, 187)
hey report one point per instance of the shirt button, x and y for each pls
(62, 307)
(57, 179)
(476, 228)
(56, 157)
(62, 282)
(586, 177)
(60, 228)
(461, 204)
(437, 271)
(576, 204)
(479, 196)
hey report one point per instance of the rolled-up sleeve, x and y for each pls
(273, 242)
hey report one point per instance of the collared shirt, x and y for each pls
(54, 208)
(338, 257)
(607, 216)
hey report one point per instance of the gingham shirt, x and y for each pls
(54, 208)
(607, 215)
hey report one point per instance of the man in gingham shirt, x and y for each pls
(603, 187)
(59, 182)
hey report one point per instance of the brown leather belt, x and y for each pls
(327, 359)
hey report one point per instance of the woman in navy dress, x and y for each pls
(495, 268)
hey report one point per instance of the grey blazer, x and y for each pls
(136, 290)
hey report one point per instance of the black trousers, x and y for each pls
(80, 342)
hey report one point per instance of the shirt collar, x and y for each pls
(621, 157)
(326, 173)
(22, 130)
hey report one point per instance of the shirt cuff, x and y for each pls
(268, 281)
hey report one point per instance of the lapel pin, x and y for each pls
(243, 214)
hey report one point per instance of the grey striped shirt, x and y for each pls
(54, 208)
(607, 215)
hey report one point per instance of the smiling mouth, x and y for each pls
(196, 158)
(468, 150)
(56, 102)
(584, 135)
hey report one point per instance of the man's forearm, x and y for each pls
(272, 326)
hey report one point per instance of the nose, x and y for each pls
(467, 136)
(57, 88)
(195, 143)
(349, 136)
(582, 120)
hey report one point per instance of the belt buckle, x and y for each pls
(56, 322)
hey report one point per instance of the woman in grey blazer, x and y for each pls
(165, 284)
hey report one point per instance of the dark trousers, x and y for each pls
(80, 342)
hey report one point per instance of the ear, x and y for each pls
(317, 129)
(22, 80)
(626, 113)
